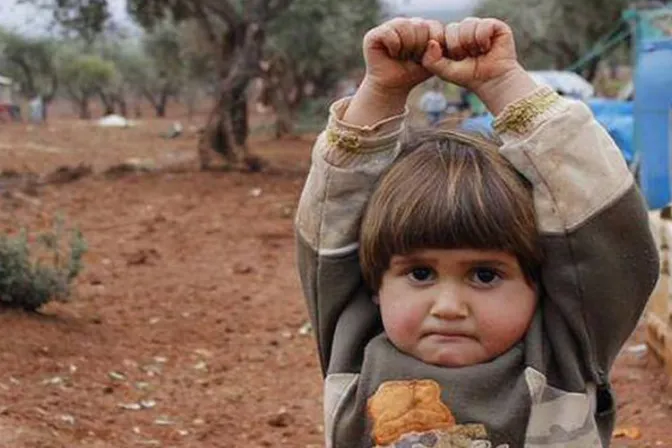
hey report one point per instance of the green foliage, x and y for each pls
(555, 33)
(199, 62)
(83, 19)
(32, 278)
(162, 46)
(150, 12)
(321, 39)
(30, 61)
(84, 74)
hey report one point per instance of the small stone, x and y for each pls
(242, 269)
(68, 419)
(203, 352)
(95, 281)
(130, 406)
(280, 420)
(163, 421)
(148, 404)
(201, 365)
(306, 329)
(117, 376)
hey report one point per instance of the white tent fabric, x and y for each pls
(568, 83)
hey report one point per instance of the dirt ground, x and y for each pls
(186, 328)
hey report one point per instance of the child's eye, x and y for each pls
(485, 277)
(421, 274)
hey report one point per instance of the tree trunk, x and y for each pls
(159, 105)
(122, 104)
(84, 111)
(278, 92)
(591, 69)
(227, 128)
(239, 123)
(108, 103)
(284, 119)
(162, 105)
(45, 109)
(160, 109)
(49, 97)
(191, 106)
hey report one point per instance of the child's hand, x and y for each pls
(480, 54)
(393, 52)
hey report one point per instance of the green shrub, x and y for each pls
(32, 275)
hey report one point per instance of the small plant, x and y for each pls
(32, 276)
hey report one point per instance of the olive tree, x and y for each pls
(83, 76)
(31, 61)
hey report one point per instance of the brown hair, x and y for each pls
(448, 190)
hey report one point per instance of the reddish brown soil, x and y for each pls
(189, 305)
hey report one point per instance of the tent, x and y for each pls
(566, 82)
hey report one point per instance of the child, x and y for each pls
(433, 103)
(469, 309)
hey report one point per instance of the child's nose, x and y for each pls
(449, 304)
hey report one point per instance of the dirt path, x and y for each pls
(186, 326)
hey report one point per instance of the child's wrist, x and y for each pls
(508, 88)
(373, 102)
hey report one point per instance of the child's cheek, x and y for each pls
(402, 322)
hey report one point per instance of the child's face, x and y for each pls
(455, 307)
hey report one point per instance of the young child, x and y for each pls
(434, 104)
(463, 294)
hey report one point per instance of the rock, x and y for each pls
(281, 420)
(242, 269)
(256, 192)
(142, 256)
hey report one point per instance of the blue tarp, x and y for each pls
(616, 117)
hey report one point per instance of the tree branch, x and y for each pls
(535, 42)
(48, 97)
(276, 7)
(27, 72)
(203, 21)
(224, 9)
(149, 95)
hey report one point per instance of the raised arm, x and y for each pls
(360, 142)
(601, 261)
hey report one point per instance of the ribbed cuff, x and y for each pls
(526, 114)
(347, 144)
